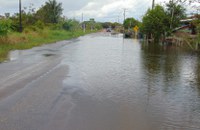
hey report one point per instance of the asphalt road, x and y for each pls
(95, 82)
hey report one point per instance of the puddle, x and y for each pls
(14, 55)
(49, 55)
(50, 50)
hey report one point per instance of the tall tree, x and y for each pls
(130, 23)
(176, 12)
(155, 23)
(51, 12)
(195, 4)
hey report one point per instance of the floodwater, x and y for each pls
(102, 82)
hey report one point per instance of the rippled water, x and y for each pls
(102, 82)
(157, 83)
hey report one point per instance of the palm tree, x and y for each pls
(50, 12)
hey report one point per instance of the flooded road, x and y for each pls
(100, 82)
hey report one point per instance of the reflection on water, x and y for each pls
(116, 84)
(173, 89)
(3, 57)
(131, 80)
(14, 55)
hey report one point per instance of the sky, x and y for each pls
(100, 10)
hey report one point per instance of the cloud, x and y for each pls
(107, 8)
(102, 10)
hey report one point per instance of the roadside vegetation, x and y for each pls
(163, 20)
(42, 26)
(160, 21)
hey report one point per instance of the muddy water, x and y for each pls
(133, 86)
(101, 82)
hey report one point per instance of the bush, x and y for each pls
(66, 26)
(57, 26)
(5, 27)
(70, 25)
(40, 24)
(198, 30)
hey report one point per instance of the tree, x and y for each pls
(176, 12)
(130, 23)
(28, 16)
(107, 25)
(5, 27)
(194, 3)
(155, 23)
(51, 12)
(70, 25)
(197, 24)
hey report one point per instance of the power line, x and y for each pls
(83, 24)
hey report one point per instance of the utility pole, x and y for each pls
(118, 18)
(173, 10)
(83, 24)
(153, 4)
(82, 17)
(20, 16)
(124, 14)
(124, 21)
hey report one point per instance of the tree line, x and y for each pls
(159, 22)
(48, 15)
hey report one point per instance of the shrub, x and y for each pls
(70, 25)
(57, 26)
(40, 24)
(198, 30)
(5, 27)
(33, 28)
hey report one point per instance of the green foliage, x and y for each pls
(33, 28)
(130, 23)
(176, 12)
(40, 24)
(156, 23)
(57, 26)
(51, 12)
(31, 39)
(98, 26)
(28, 16)
(5, 27)
(109, 24)
(70, 25)
(197, 24)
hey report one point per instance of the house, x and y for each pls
(2, 17)
(186, 34)
(187, 26)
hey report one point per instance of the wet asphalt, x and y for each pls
(99, 82)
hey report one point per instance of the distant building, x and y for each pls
(2, 17)
(187, 27)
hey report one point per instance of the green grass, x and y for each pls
(30, 39)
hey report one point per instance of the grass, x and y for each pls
(29, 39)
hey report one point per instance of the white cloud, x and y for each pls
(103, 10)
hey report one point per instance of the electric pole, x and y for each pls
(153, 4)
(83, 24)
(124, 21)
(82, 17)
(118, 18)
(124, 15)
(20, 16)
(173, 10)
